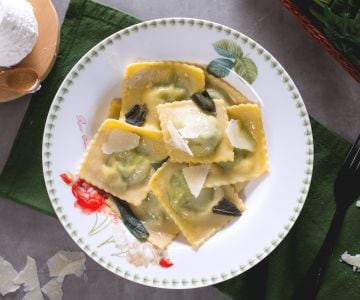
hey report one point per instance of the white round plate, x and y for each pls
(273, 202)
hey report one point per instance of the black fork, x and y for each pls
(346, 191)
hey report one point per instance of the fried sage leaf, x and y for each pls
(204, 101)
(225, 207)
(136, 116)
(158, 164)
(132, 223)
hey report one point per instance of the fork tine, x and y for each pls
(353, 152)
(355, 157)
(357, 167)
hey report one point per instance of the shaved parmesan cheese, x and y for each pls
(34, 295)
(53, 289)
(188, 133)
(7, 275)
(120, 141)
(353, 260)
(238, 138)
(195, 177)
(193, 123)
(176, 139)
(66, 263)
(28, 277)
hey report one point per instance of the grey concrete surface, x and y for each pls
(330, 94)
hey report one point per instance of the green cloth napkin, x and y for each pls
(86, 23)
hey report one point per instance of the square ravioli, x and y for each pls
(193, 216)
(251, 159)
(119, 160)
(153, 83)
(194, 136)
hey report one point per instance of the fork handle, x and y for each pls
(312, 280)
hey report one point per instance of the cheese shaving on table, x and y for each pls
(66, 263)
(7, 275)
(120, 141)
(34, 295)
(353, 260)
(238, 138)
(176, 139)
(28, 277)
(53, 289)
(195, 177)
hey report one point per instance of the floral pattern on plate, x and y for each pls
(89, 200)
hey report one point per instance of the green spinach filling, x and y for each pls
(152, 212)
(133, 166)
(239, 155)
(182, 200)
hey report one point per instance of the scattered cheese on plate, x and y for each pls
(29, 278)
(176, 139)
(353, 260)
(238, 138)
(7, 275)
(120, 141)
(195, 177)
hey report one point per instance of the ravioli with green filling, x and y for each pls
(202, 135)
(153, 83)
(193, 215)
(250, 161)
(119, 160)
(161, 227)
(182, 158)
